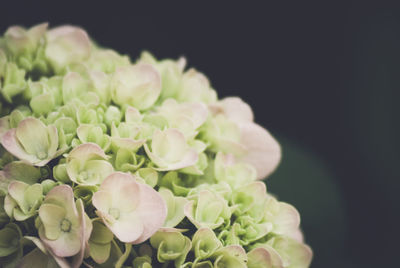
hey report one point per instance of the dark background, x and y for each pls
(322, 77)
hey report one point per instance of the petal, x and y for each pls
(67, 244)
(264, 257)
(128, 228)
(87, 151)
(124, 191)
(51, 217)
(16, 190)
(102, 201)
(33, 136)
(152, 210)
(11, 144)
(263, 151)
(63, 196)
(235, 109)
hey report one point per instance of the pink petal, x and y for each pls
(11, 144)
(263, 151)
(87, 151)
(152, 210)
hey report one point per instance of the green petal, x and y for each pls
(51, 217)
(33, 136)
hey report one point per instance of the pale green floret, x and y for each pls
(175, 206)
(171, 245)
(33, 142)
(87, 165)
(208, 209)
(205, 244)
(23, 200)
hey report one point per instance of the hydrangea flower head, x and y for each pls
(107, 161)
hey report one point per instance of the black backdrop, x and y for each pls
(322, 77)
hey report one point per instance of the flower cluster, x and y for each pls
(107, 162)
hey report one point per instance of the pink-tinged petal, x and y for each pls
(287, 219)
(38, 31)
(297, 235)
(67, 44)
(66, 245)
(124, 191)
(132, 115)
(189, 159)
(127, 143)
(63, 196)
(33, 136)
(152, 210)
(234, 108)
(11, 144)
(101, 200)
(16, 190)
(87, 151)
(85, 231)
(264, 257)
(263, 151)
(127, 228)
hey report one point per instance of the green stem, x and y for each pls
(124, 256)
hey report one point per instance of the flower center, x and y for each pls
(41, 155)
(114, 212)
(65, 225)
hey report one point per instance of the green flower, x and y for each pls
(87, 165)
(264, 257)
(43, 98)
(186, 117)
(178, 185)
(22, 200)
(293, 254)
(171, 245)
(171, 73)
(94, 134)
(208, 209)
(251, 199)
(235, 174)
(205, 244)
(10, 246)
(13, 81)
(136, 85)
(175, 206)
(22, 42)
(75, 87)
(66, 45)
(64, 228)
(284, 218)
(247, 230)
(195, 87)
(100, 242)
(32, 141)
(106, 60)
(127, 161)
(169, 150)
(230, 256)
(126, 136)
